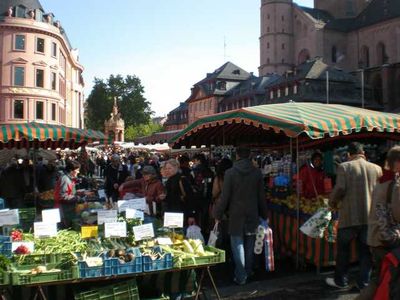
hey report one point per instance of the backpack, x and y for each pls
(389, 286)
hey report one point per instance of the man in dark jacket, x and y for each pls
(115, 175)
(243, 193)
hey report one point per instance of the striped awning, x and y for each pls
(311, 120)
(40, 135)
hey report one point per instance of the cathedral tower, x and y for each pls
(276, 40)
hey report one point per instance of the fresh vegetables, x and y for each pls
(16, 235)
(22, 250)
(5, 263)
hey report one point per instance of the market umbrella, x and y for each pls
(308, 120)
(38, 135)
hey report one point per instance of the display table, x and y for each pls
(318, 252)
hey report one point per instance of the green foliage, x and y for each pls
(133, 132)
(132, 105)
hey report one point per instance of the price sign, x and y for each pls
(117, 229)
(102, 194)
(164, 241)
(29, 245)
(9, 217)
(106, 216)
(143, 231)
(89, 232)
(139, 204)
(45, 229)
(174, 220)
(131, 213)
(51, 215)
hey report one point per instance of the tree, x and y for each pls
(134, 108)
(133, 132)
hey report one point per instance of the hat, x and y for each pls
(149, 170)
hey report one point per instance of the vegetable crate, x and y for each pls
(218, 257)
(162, 260)
(42, 259)
(133, 266)
(5, 249)
(4, 278)
(26, 218)
(121, 291)
(22, 275)
(106, 269)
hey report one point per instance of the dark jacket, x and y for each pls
(243, 195)
(114, 175)
(175, 202)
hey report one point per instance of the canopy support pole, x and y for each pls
(298, 206)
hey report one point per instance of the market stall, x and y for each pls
(292, 128)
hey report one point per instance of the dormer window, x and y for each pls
(38, 15)
(236, 72)
(20, 11)
(222, 85)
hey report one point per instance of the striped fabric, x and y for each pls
(314, 120)
(40, 135)
(269, 250)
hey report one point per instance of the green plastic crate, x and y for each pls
(26, 218)
(4, 278)
(22, 276)
(218, 257)
(41, 259)
(121, 291)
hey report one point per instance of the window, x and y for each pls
(365, 56)
(40, 45)
(39, 76)
(286, 91)
(19, 76)
(283, 46)
(267, 45)
(54, 49)
(19, 43)
(283, 60)
(18, 109)
(283, 30)
(53, 111)
(53, 81)
(268, 60)
(38, 15)
(267, 29)
(295, 89)
(283, 18)
(268, 16)
(39, 110)
(271, 94)
(63, 61)
(279, 93)
(382, 58)
(20, 11)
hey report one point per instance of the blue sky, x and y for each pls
(168, 44)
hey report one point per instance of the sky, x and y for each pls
(168, 44)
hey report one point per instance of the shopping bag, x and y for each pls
(212, 240)
(330, 233)
(269, 250)
(315, 226)
(194, 232)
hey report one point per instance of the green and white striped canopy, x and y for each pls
(41, 135)
(313, 120)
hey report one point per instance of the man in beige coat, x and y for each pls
(355, 182)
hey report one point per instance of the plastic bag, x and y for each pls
(194, 232)
(315, 226)
(269, 250)
(212, 240)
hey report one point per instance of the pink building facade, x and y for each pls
(41, 77)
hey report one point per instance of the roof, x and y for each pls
(227, 71)
(376, 12)
(182, 106)
(30, 4)
(317, 14)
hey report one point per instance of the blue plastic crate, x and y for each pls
(85, 271)
(4, 238)
(134, 266)
(5, 249)
(2, 204)
(163, 263)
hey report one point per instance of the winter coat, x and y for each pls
(114, 176)
(352, 194)
(64, 191)
(244, 197)
(175, 200)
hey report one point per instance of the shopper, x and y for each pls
(149, 186)
(312, 177)
(115, 175)
(65, 196)
(384, 219)
(355, 182)
(243, 196)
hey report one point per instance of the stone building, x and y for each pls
(177, 118)
(114, 127)
(41, 77)
(357, 36)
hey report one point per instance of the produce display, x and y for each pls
(307, 206)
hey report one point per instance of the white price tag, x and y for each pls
(51, 215)
(107, 216)
(29, 245)
(117, 229)
(143, 231)
(131, 213)
(173, 220)
(45, 229)
(164, 241)
(9, 217)
(139, 204)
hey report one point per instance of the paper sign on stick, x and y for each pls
(89, 232)
(44, 229)
(131, 213)
(106, 216)
(29, 245)
(51, 215)
(143, 231)
(139, 204)
(173, 220)
(9, 217)
(117, 229)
